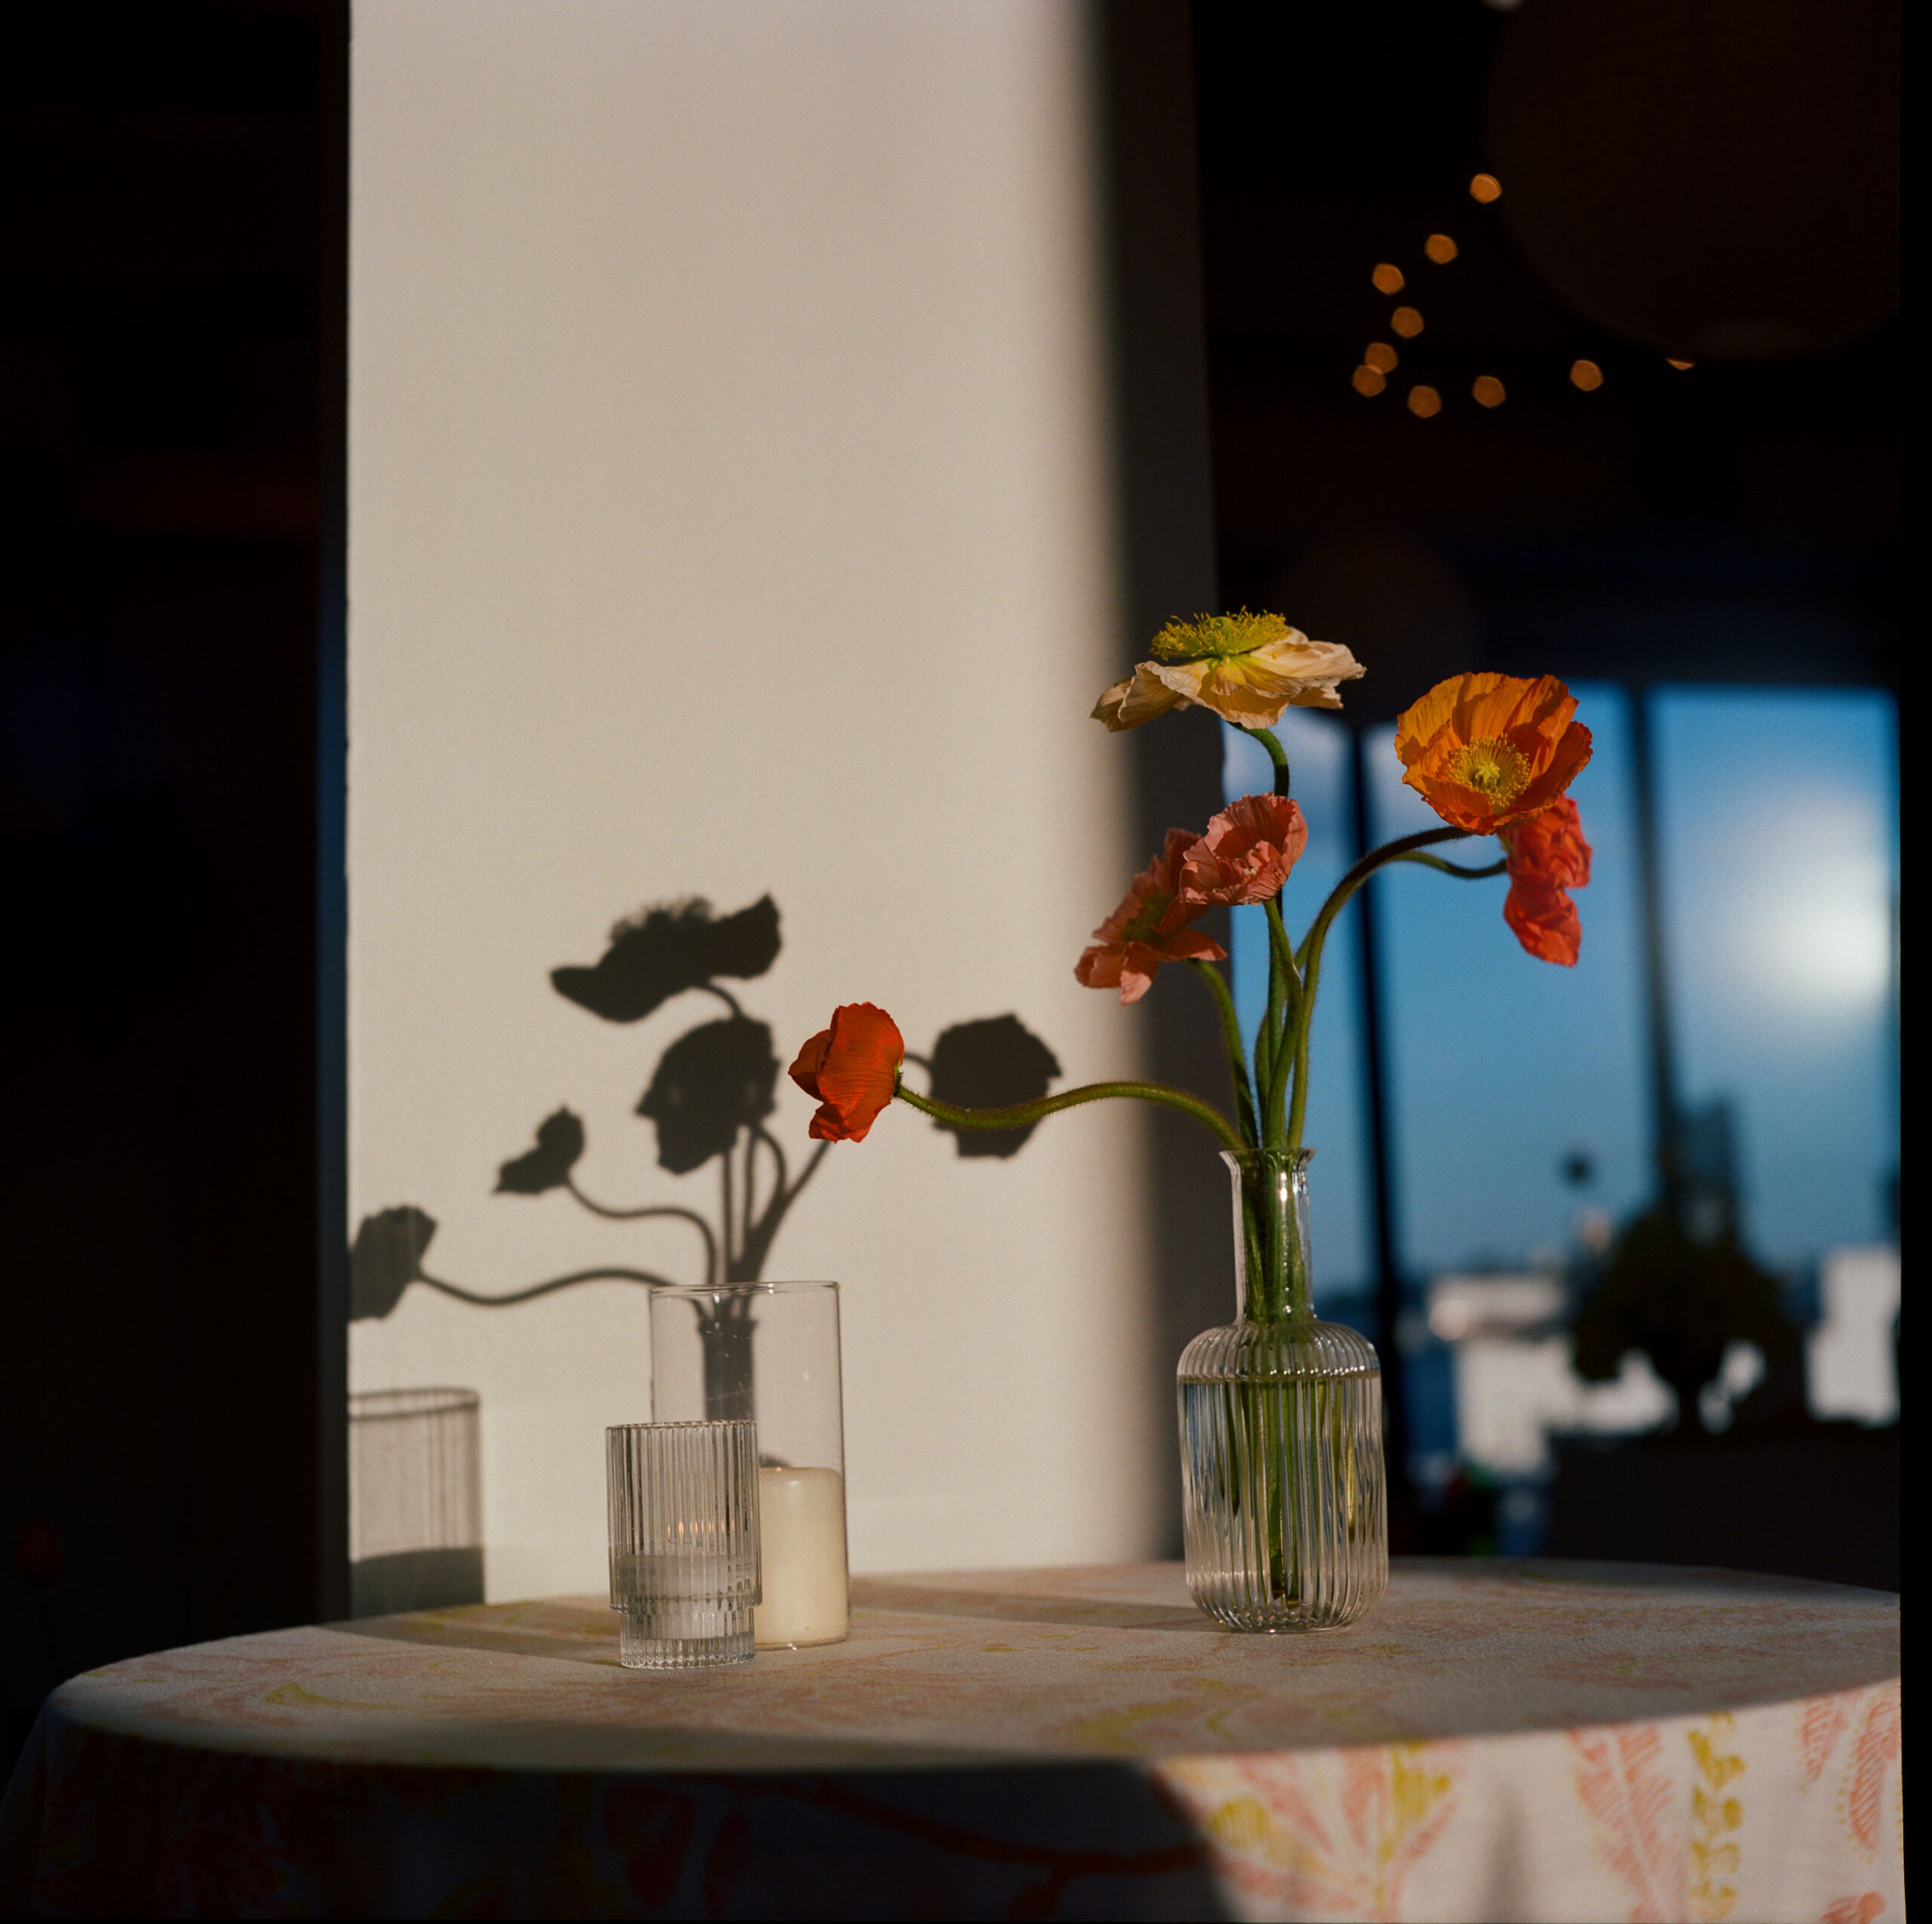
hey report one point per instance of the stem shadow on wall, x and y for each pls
(708, 1100)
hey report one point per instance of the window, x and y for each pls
(1521, 1104)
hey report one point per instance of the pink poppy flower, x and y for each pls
(1246, 854)
(1148, 928)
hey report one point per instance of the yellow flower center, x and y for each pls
(1491, 767)
(1216, 638)
(1147, 916)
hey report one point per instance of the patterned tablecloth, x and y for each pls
(1496, 1740)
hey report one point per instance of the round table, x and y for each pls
(1496, 1740)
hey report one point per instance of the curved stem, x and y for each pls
(1298, 1113)
(761, 1134)
(1442, 867)
(1017, 1115)
(1245, 1110)
(1310, 953)
(1376, 857)
(805, 1175)
(723, 995)
(690, 1216)
(760, 1235)
(1295, 997)
(544, 1289)
(1277, 754)
(1268, 1040)
(747, 1206)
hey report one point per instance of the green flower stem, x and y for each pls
(1267, 1039)
(1442, 867)
(1231, 1039)
(1277, 754)
(1310, 953)
(1017, 1115)
(1295, 997)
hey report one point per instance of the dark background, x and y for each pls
(169, 467)
(1738, 521)
(171, 1391)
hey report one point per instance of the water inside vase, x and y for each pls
(1283, 1494)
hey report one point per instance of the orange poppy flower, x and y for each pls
(1246, 854)
(1149, 928)
(851, 1071)
(1548, 857)
(1484, 750)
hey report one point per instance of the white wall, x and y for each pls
(730, 512)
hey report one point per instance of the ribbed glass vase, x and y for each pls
(1283, 1488)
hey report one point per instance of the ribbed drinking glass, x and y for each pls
(684, 1541)
(1280, 1432)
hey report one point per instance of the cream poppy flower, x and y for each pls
(1248, 669)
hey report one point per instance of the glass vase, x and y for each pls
(1283, 1487)
(770, 1351)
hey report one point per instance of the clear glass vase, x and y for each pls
(1283, 1488)
(770, 1351)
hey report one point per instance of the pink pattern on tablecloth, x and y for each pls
(1819, 1728)
(1860, 1909)
(1625, 1787)
(1876, 1751)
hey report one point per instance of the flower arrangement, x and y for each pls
(1492, 755)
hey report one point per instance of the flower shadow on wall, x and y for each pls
(708, 1100)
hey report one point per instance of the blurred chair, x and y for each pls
(1851, 1355)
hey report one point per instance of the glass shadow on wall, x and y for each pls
(415, 1501)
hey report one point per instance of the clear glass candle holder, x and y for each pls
(770, 1350)
(684, 1542)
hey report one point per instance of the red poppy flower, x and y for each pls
(1548, 857)
(1246, 854)
(851, 1070)
(1149, 928)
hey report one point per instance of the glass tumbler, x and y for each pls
(770, 1350)
(684, 1542)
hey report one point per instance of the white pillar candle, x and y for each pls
(801, 1539)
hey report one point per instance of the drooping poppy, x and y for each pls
(1246, 854)
(1248, 669)
(850, 1070)
(1148, 928)
(1547, 856)
(1486, 750)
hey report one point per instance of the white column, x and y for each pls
(731, 511)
